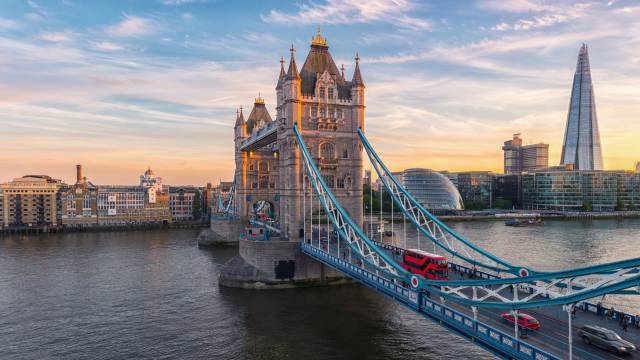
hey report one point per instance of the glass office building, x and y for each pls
(581, 146)
(581, 190)
(432, 189)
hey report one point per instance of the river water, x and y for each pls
(154, 295)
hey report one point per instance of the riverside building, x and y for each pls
(79, 202)
(585, 190)
(31, 201)
(581, 147)
(520, 158)
(147, 203)
(432, 189)
(183, 202)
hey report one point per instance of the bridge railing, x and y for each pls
(491, 338)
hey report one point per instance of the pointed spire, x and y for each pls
(318, 40)
(342, 70)
(239, 117)
(357, 77)
(282, 74)
(292, 73)
(583, 60)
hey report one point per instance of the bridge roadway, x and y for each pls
(553, 333)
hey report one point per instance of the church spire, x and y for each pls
(282, 74)
(292, 73)
(357, 77)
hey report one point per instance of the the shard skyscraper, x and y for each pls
(581, 145)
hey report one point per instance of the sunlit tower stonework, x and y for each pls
(327, 108)
(581, 147)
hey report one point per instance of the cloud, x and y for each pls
(181, 2)
(107, 46)
(393, 12)
(57, 36)
(7, 24)
(132, 26)
(514, 6)
(552, 16)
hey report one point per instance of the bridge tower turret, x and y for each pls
(240, 134)
(328, 110)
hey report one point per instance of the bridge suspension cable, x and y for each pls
(351, 233)
(429, 226)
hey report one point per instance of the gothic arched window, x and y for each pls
(327, 151)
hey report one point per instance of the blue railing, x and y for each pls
(490, 338)
(475, 273)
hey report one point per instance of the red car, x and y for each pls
(524, 321)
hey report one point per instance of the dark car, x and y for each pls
(605, 339)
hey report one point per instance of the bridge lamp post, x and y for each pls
(567, 308)
(515, 312)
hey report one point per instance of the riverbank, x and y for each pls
(105, 228)
(500, 215)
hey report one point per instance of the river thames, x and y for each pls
(154, 295)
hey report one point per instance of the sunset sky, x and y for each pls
(122, 85)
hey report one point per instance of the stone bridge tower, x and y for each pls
(328, 109)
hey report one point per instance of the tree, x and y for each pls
(620, 205)
(587, 206)
(197, 206)
(502, 203)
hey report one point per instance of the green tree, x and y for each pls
(197, 206)
(620, 205)
(587, 206)
(474, 205)
(502, 203)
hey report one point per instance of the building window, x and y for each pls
(340, 183)
(263, 166)
(86, 202)
(329, 179)
(71, 202)
(322, 112)
(345, 153)
(332, 113)
(314, 111)
(322, 92)
(327, 151)
(330, 93)
(339, 114)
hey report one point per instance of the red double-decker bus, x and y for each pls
(430, 266)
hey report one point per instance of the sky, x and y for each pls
(120, 86)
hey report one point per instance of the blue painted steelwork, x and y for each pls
(347, 229)
(264, 136)
(367, 250)
(490, 338)
(384, 174)
(269, 225)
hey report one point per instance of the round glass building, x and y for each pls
(432, 189)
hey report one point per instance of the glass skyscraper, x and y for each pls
(581, 145)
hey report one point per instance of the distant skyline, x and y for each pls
(122, 86)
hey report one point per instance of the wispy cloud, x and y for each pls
(8, 24)
(514, 6)
(57, 36)
(132, 26)
(394, 12)
(181, 2)
(551, 16)
(107, 46)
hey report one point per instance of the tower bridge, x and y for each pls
(306, 167)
